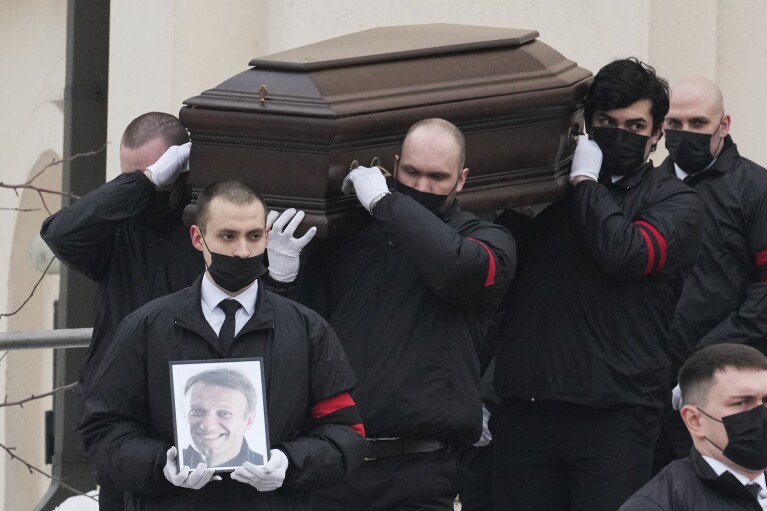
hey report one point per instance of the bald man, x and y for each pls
(725, 297)
(411, 296)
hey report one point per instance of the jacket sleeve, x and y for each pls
(81, 235)
(115, 424)
(468, 268)
(661, 239)
(641, 503)
(333, 444)
(748, 323)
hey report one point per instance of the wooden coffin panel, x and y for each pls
(353, 98)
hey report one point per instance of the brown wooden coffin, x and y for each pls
(293, 123)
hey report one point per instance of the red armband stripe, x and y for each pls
(359, 428)
(761, 265)
(662, 246)
(331, 404)
(650, 252)
(490, 280)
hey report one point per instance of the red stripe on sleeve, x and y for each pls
(662, 246)
(331, 404)
(359, 428)
(761, 258)
(650, 252)
(490, 280)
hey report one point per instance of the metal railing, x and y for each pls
(41, 339)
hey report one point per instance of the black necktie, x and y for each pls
(226, 334)
(754, 488)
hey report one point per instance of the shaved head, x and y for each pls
(697, 106)
(699, 90)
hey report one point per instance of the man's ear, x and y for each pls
(196, 236)
(691, 418)
(461, 179)
(726, 121)
(655, 138)
(250, 418)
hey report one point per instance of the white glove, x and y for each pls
(587, 159)
(368, 183)
(676, 398)
(486, 436)
(164, 171)
(283, 249)
(267, 477)
(194, 479)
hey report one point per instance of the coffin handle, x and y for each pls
(375, 162)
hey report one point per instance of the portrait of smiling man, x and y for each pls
(221, 407)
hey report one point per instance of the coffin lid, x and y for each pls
(391, 68)
(393, 43)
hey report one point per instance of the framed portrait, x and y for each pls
(219, 412)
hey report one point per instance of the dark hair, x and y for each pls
(235, 192)
(622, 83)
(151, 125)
(446, 126)
(227, 378)
(696, 377)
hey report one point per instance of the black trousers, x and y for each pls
(410, 482)
(475, 469)
(556, 456)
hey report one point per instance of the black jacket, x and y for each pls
(111, 236)
(725, 297)
(410, 296)
(690, 484)
(592, 307)
(128, 422)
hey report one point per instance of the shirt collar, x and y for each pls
(720, 468)
(212, 295)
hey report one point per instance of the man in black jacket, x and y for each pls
(128, 237)
(315, 433)
(411, 296)
(724, 389)
(581, 369)
(725, 297)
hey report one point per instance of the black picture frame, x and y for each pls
(212, 419)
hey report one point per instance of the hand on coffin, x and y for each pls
(283, 249)
(165, 170)
(587, 161)
(368, 183)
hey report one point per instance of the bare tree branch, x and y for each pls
(21, 402)
(5, 315)
(32, 469)
(58, 162)
(26, 186)
(21, 210)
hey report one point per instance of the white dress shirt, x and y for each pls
(212, 296)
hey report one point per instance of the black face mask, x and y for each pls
(622, 152)
(747, 438)
(235, 273)
(690, 151)
(437, 204)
